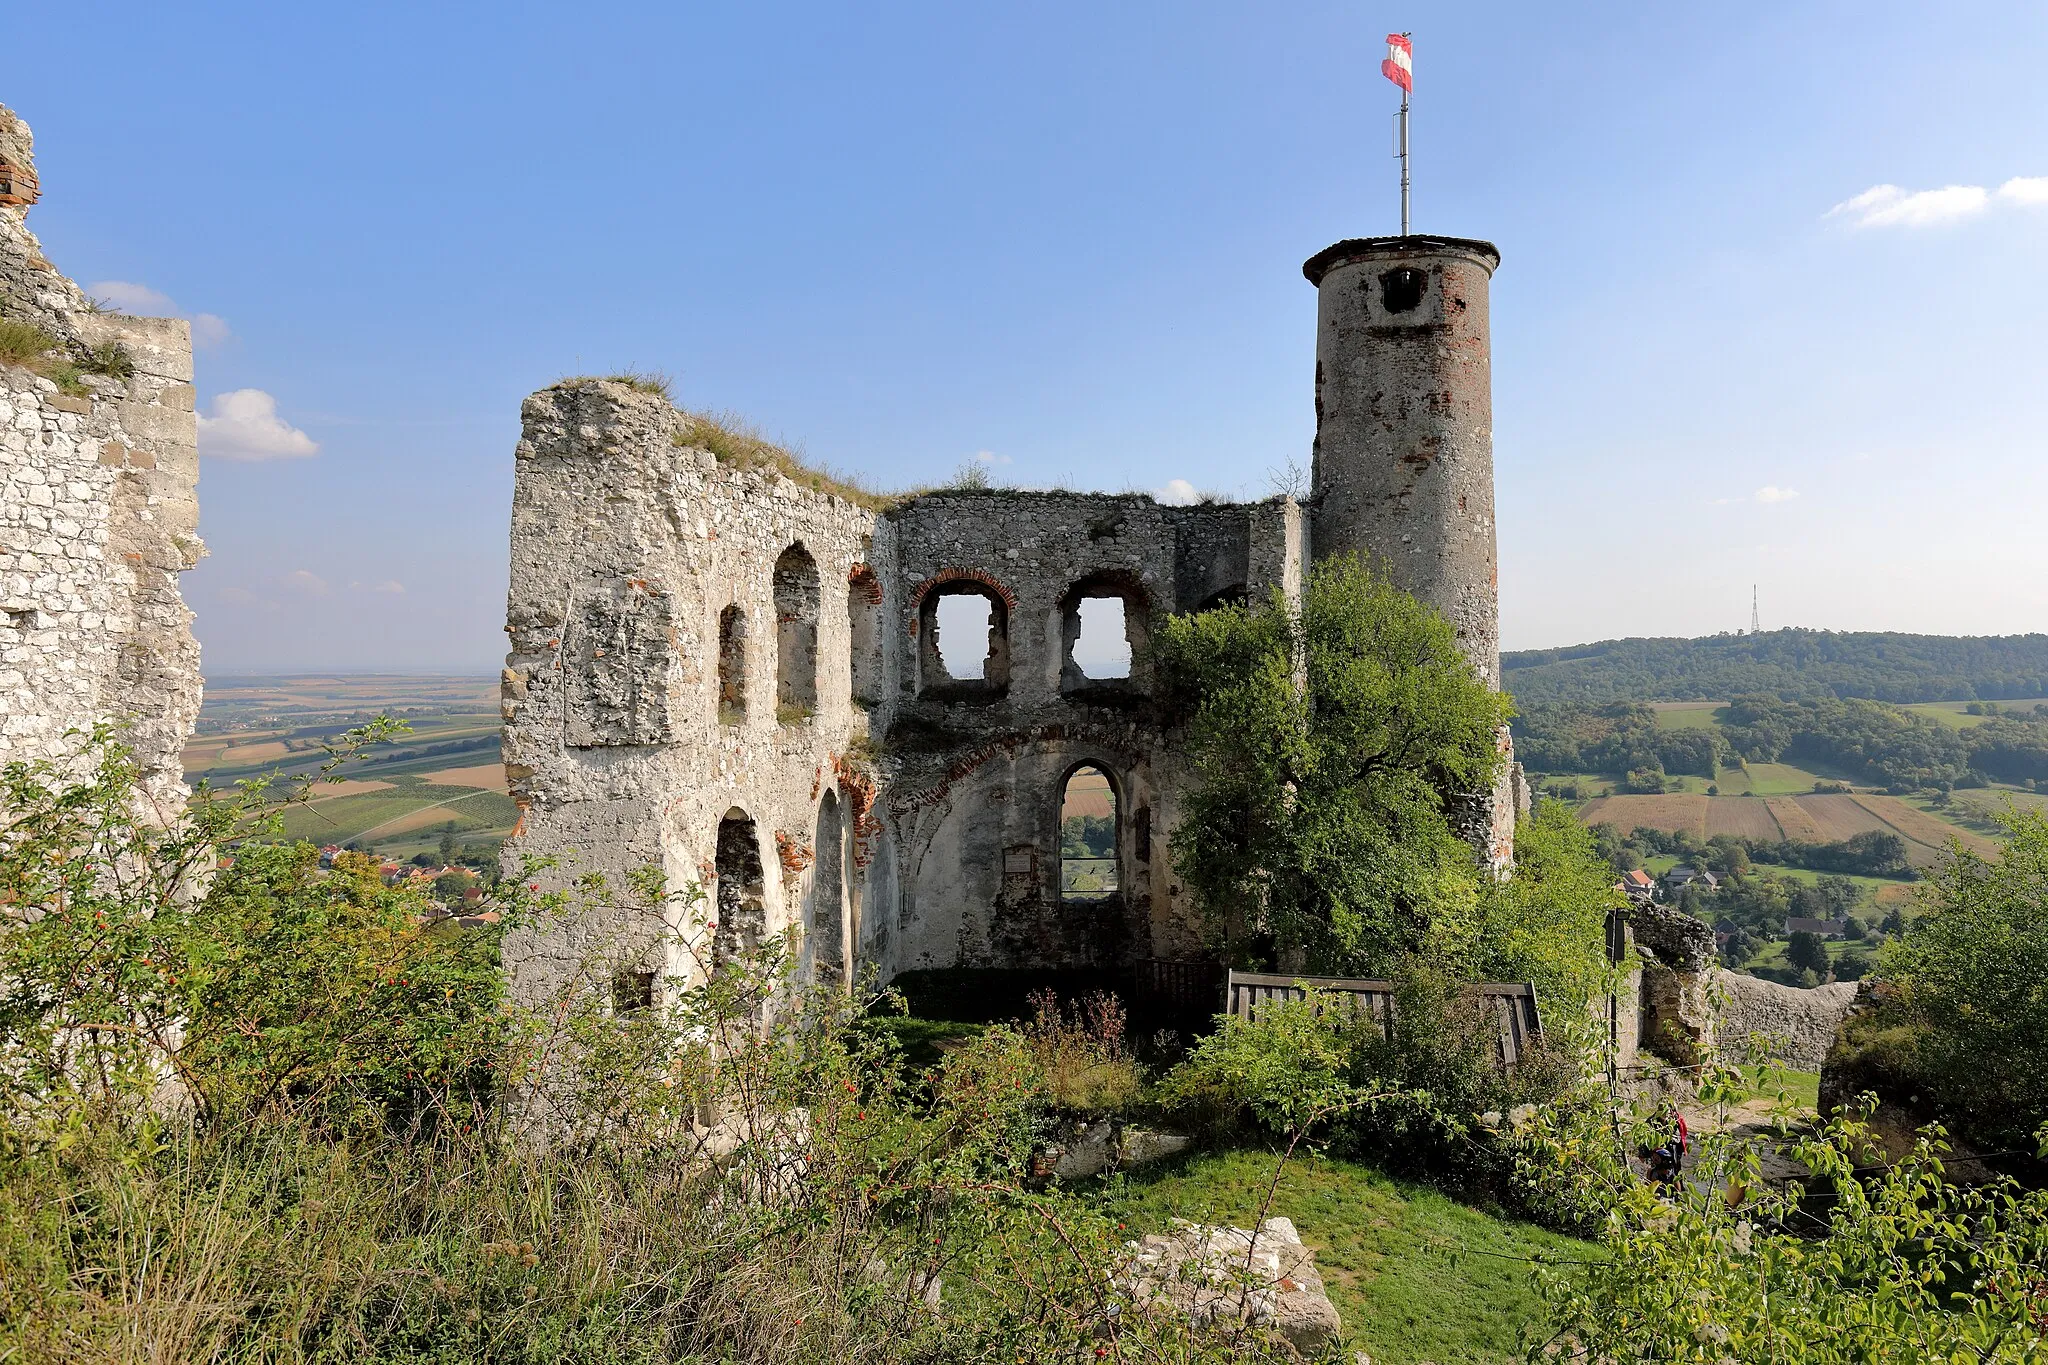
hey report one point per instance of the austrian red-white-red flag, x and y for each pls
(1399, 66)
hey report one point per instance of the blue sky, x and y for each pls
(1067, 239)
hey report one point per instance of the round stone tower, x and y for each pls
(1403, 466)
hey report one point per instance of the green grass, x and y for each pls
(1416, 1275)
(22, 342)
(1800, 1088)
(342, 818)
(1784, 779)
(924, 1041)
(1687, 715)
(1952, 712)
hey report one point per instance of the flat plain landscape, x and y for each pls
(440, 778)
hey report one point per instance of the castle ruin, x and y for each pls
(99, 515)
(720, 671)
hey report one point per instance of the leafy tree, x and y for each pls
(1547, 922)
(1969, 974)
(1329, 746)
(1808, 952)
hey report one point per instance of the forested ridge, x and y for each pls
(1791, 665)
(1874, 742)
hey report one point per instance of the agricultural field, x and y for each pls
(1808, 818)
(440, 780)
(1954, 712)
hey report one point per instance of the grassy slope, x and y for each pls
(1416, 1275)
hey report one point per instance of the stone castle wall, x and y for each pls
(879, 811)
(885, 814)
(98, 517)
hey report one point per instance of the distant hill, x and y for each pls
(1795, 665)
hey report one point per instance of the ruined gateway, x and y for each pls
(734, 677)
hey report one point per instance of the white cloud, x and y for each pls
(1773, 493)
(1891, 206)
(390, 585)
(210, 330)
(245, 426)
(989, 457)
(307, 581)
(124, 296)
(1177, 493)
(2025, 189)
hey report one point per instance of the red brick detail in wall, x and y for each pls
(956, 575)
(858, 788)
(862, 577)
(1006, 746)
(796, 855)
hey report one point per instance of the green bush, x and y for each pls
(254, 1112)
(1967, 984)
(1883, 1263)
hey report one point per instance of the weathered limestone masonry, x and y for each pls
(1403, 464)
(98, 517)
(736, 678)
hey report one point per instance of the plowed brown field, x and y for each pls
(1675, 811)
(1745, 817)
(489, 776)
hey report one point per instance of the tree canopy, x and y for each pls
(1788, 664)
(1328, 745)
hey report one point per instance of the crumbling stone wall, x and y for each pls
(660, 601)
(661, 598)
(98, 517)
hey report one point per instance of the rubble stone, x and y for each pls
(1230, 1276)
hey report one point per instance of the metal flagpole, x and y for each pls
(1403, 158)
(1404, 162)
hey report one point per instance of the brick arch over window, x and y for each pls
(934, 678)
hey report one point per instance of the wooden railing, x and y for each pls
(1511, 1005)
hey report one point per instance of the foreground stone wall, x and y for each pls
(98, 517)
(1679, 1004)
(1760, 1019)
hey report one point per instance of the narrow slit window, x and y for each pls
(797, 599)
(1088, 870)
(741, 901)
(732, 665)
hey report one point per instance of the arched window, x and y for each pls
(742, 889)
(1088, 830)
(825, 933)
(797, 599)
(864, 633)
(732, 666)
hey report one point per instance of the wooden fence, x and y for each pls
(1511, 1005)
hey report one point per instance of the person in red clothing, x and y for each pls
(1666, 1162)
